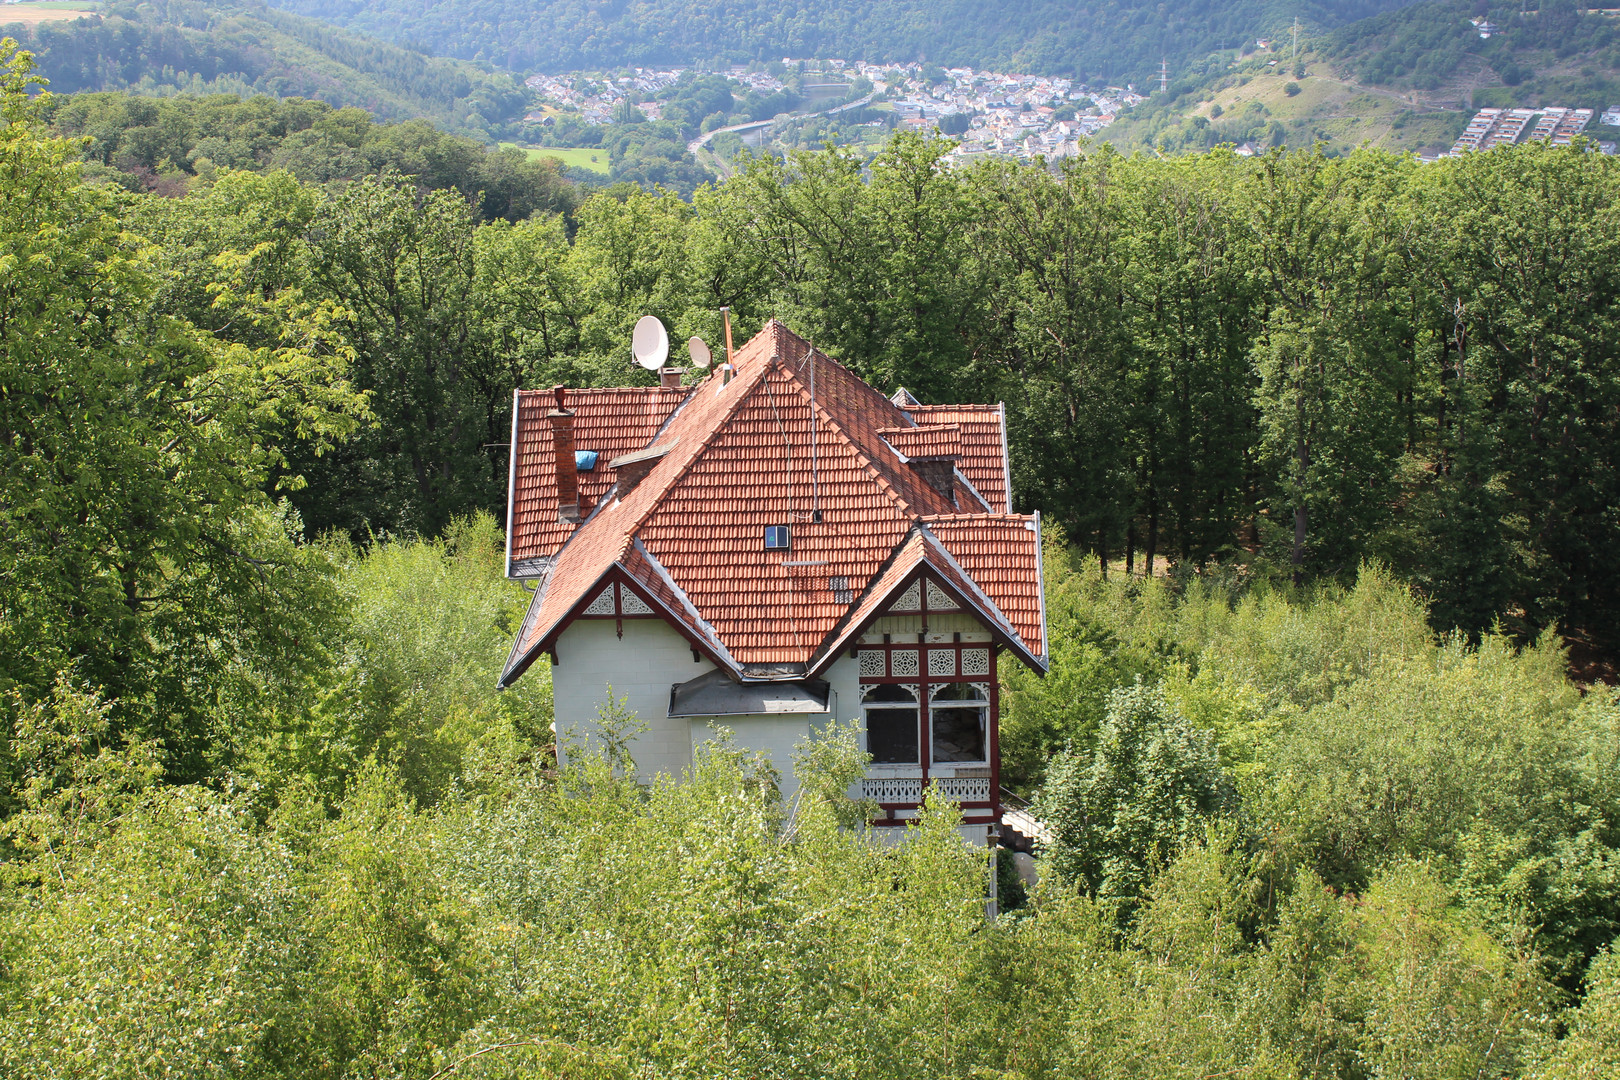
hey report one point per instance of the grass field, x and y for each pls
(44, 11)
(586, 157)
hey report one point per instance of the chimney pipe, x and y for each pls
(726, 370)
(562, 441)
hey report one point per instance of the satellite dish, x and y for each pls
(650, 343)
(700, 352)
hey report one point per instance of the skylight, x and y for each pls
(777, 538)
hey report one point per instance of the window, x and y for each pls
(776, 537)
(890, 710)
(959, 715)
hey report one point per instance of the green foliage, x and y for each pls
(1592, 1048)
(1356, 741)
(425, 632)
(1435, 45)
(188, 141)
(142, 549)
(1115, 42)
(243, 47)
(1150, 787)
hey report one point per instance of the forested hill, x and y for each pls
(164, 47)
(187, 142)
(1557, 54)
(1106, 39)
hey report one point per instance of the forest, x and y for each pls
(1107, 40)
(167, 47)
(1557, 49)
(1325, 450)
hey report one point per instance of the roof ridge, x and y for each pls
(744, 392)
(794, 370)
(862, 458)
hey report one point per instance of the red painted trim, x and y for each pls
(995, 739)
(852, 639)
(617, 575)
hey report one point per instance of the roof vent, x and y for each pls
(840, 590)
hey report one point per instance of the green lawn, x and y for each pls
(593, 158)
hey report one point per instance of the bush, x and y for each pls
(1291, 88)
(1151, 786)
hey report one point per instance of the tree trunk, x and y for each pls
(1152, 551)
(1300, 515)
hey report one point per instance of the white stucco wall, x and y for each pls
(775, 736)
(651, 657)
(641, 667)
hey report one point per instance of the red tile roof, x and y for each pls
(611, 422)
(759, 452)
(983, 446)
(932, 441)
(996, 551)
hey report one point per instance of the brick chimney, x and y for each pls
(562, 440)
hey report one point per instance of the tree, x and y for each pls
(1327, 356)
(1151, 785)
(143, 553)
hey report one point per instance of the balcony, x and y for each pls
(908, 790)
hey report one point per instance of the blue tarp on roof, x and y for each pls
(585, 460)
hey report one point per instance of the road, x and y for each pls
(699, 147)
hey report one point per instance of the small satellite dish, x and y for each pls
(650, 343)
(701, 356)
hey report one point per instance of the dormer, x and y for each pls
(932, 451)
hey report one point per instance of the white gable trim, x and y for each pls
(709, 634)
(511, 476)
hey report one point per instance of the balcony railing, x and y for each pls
(909, 789)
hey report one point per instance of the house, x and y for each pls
(773, 548)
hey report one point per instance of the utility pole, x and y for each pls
(1295, 58)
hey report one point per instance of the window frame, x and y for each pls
(916, 708)
(978, 701)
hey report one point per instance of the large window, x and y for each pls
(891, 723)
(960, 714)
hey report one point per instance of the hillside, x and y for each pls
(1406, 80)
(163, 47)
(1434, 52)
(1112, 40)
